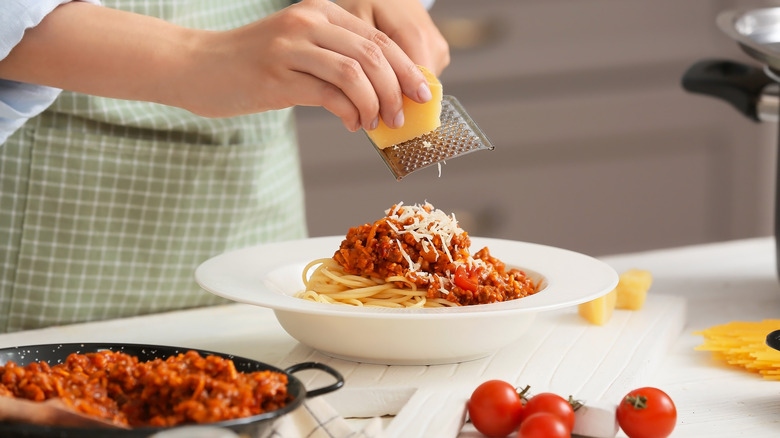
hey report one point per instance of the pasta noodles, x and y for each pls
(416, 256)
(743, 344)
(330, 284)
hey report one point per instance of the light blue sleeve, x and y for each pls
(19, 101)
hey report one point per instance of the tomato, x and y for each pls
(495, 408)
(553, 404)
(465, 280)
(647, 413)
(543, 425)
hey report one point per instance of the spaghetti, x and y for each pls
(416, 256)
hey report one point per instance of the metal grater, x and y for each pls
(458, 135)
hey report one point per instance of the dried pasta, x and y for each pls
(743, 344)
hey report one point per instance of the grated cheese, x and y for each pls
(425, 223)
(426, 245)
(412, 266)
(392, 226)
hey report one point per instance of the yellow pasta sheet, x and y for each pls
(743, 344)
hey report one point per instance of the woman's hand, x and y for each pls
(313, 53)
(408, 24)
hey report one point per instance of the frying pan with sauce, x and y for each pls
(251, 426)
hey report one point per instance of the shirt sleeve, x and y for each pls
(20, 101)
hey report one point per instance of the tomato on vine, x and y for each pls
(495, 408)
(543, 425)
(647, 413)
(553, 404)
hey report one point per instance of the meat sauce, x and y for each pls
(183, 389)
(427, 248)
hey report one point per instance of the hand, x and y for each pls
(313, 53)
(408, 24)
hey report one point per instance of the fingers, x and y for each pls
(425, 46)
(312, 91)
(367, 66)
(410, 26)
(408, 75)
(361, 71)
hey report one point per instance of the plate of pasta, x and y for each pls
(412, 288)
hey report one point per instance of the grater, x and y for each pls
(458, 135)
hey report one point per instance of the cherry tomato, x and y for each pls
(495, 408)
(647, 413)
(553, 404)
(543, 425)
(465, 280)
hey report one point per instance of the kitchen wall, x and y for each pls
(598, 148)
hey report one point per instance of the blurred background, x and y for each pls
(598, 148)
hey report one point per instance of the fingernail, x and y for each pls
(374, 124)
(398, 121)
(424, 93)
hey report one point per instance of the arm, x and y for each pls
(312, 53)
(20, 101)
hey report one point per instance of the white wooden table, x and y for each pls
(694, 288)
(731, 281)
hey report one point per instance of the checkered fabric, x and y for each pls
(108, 206)
(315, 418)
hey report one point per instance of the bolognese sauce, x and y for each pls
(183, 389)
(429, 249)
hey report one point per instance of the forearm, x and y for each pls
(102, 51)
(313, 53)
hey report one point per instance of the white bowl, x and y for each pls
(268, 275)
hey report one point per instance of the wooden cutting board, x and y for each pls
(562, 353)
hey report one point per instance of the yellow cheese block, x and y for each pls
(419, 118)
(632, 289)
(599, 311)
(630, 293)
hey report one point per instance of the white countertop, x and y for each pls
(720, 283)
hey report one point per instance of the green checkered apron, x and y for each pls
(108, 206)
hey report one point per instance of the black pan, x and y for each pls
(251, 426)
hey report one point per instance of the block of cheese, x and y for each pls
(599, 311)
(596, 420)
(419, 118)
(630, 294)
(632, 289)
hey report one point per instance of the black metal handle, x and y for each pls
(319, 366)
(736, 83)
(773, 339)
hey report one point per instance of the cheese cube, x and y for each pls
(632, 289)
(596, 420)
(419, 118)
(599, 311)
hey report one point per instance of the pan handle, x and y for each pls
(773, 340)
(739, 84)
(322, 367)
